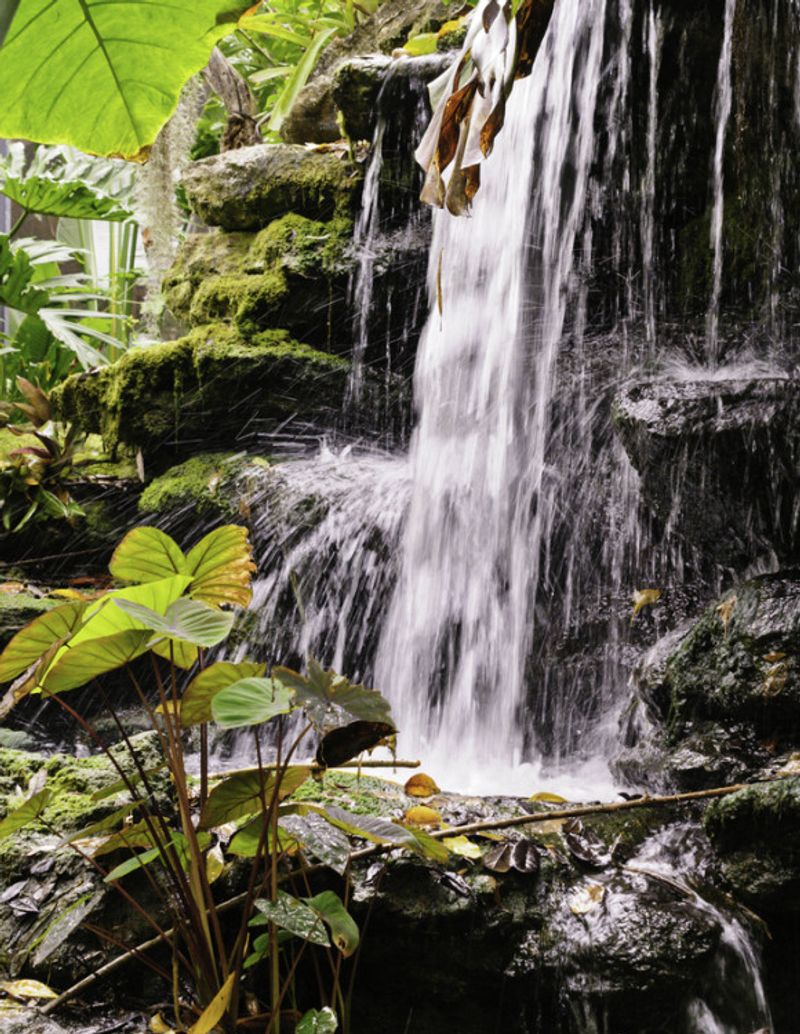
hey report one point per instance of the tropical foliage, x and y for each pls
(170, 610)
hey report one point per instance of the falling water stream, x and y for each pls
(444, 575)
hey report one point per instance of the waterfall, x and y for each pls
(722, 106)
(460, 624)
(654, 43)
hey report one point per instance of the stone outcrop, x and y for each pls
(248, 188)
(719, 460)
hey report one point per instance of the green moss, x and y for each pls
(202, 483)
(251, 301)
(302, 246)
(768, 813)
(361, 795)
(206, 385)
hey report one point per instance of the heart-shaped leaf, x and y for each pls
(146, 555)
(250, 702)
(196, 701)
(221, 566)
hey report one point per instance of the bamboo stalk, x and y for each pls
(315, 767)
(579, 811)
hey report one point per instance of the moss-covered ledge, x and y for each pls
(246, 189)
(204, 485)
(293, 275)
(211, 385)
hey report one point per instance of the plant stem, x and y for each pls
(18, 224)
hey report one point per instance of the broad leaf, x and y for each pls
(77, 665)
(326, 697)
(66, 921)
(322, 1021)
(101, 76)
(29, 644)
(241, 795)
(187, 620)
(221, 567)
(329, 907)
(250, 702)
(291, 914)
(105, 618)
(196, 701)
(340, 745)
(248, 840)
(146, 555)
(319, 838)
(381, 831)
(25, 814)
(66, 184)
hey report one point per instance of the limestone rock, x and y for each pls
(248, 188)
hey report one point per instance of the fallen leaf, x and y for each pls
(11, 588)
(158, 1025)
(775, 679)
(548, 798)
(215, 864)
(421, 815)
(586, 899)
(773, 658)
(644, 598)
(421, 785)
(521, 855)
(23, 989)
(463, 846)
(725, 611)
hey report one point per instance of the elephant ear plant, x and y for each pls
(171, 609)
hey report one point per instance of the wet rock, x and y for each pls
(314, 116)
(757, 833)
(204, 486)
(358, 85)
(719, 460)
(19, 1019)
(208, 386)
(246, 189)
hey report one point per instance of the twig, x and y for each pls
(474, 827)
(315, 767)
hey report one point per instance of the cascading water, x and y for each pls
(481, 511)
(723, 104)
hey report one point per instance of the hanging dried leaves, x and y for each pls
(469, 99)
(585, 845)
(520, 855)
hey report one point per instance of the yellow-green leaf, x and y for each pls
(31, 642)
(217, 1008)
(196, 702)
(147, 555)
(222, 567)
(25, 989)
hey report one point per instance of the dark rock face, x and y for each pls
(719, 460)
(757, 832)
(248, 188)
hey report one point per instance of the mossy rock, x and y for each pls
(204, 387)
(739, 662)
(757, 832)
(205, 485)
(246, 189)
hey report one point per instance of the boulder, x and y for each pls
(314, 115)
(757, 833)
(719, 460)
(209, 386)
(248, 188)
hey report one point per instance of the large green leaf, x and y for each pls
(221, 566)
(60, 182)
(29, 644)
(196, 701)
(104, 618)
(145, 555)
(319, 838)
(7, 11)
(250, 702)
(241, 795)
(291, 914)
(76, 666)
(327, 697)
(104, 76)
(186, 620)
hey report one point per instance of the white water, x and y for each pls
(653, 45)
(722, 110)
(453, 650)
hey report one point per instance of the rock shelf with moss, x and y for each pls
(210, 385)
(248, 188)
(204, 485)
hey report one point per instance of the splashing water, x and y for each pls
(453, 651)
